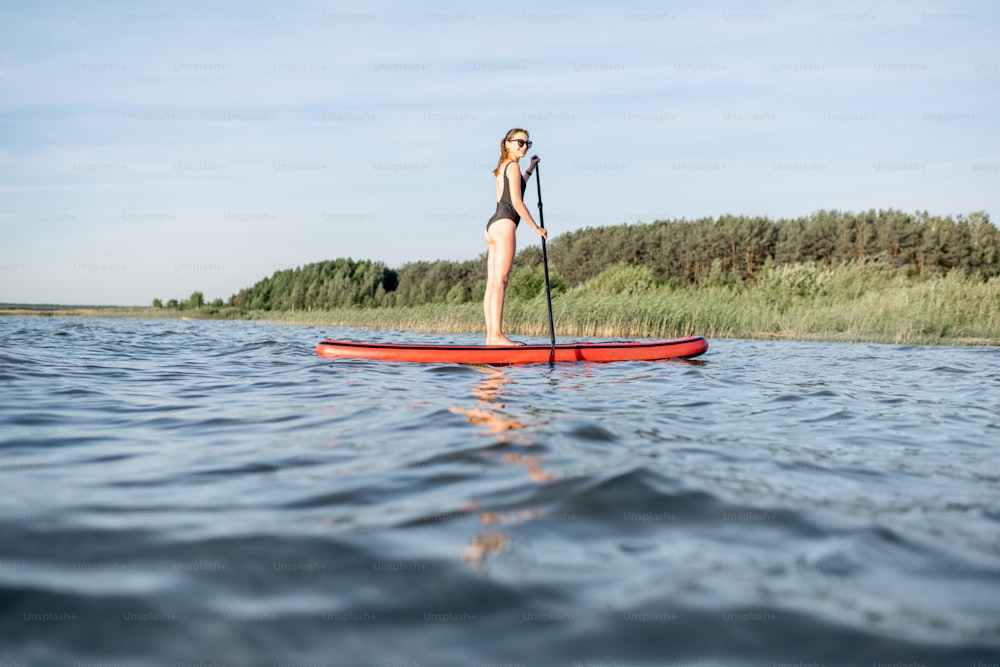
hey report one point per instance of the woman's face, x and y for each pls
(518, 148)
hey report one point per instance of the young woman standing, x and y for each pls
(500, 239)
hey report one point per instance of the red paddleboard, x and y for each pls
(680, 348)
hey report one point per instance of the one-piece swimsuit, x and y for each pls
(505, 209)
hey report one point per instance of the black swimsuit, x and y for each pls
(504, 208)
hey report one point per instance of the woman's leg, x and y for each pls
(488, 296)
(501, 244)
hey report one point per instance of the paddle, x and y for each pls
(545, 261)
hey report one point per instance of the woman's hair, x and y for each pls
(504, 155)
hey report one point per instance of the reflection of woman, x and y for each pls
(500, 241)
(490, 395)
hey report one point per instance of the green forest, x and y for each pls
(665, 253)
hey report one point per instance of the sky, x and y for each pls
(148, 150)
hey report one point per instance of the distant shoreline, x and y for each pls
(31, 310)
(597, 318)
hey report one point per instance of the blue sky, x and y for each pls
(153, 149)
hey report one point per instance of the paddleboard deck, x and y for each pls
(679, 348)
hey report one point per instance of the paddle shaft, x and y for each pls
(545, 262)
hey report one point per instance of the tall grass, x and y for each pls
(851, 302)
(854, 302)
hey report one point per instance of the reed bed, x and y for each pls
(859, 303)
(839, 304)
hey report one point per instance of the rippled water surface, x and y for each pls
(193, 493)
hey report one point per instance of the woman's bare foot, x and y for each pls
(501, 341)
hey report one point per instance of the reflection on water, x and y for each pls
(489, 394)
(490, 413)
(483, 545)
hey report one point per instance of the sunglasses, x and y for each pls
(521, 142)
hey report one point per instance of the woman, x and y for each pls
(500, 241)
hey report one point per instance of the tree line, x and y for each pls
(686, 250)
(682, 251)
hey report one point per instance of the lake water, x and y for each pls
(213, 493)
